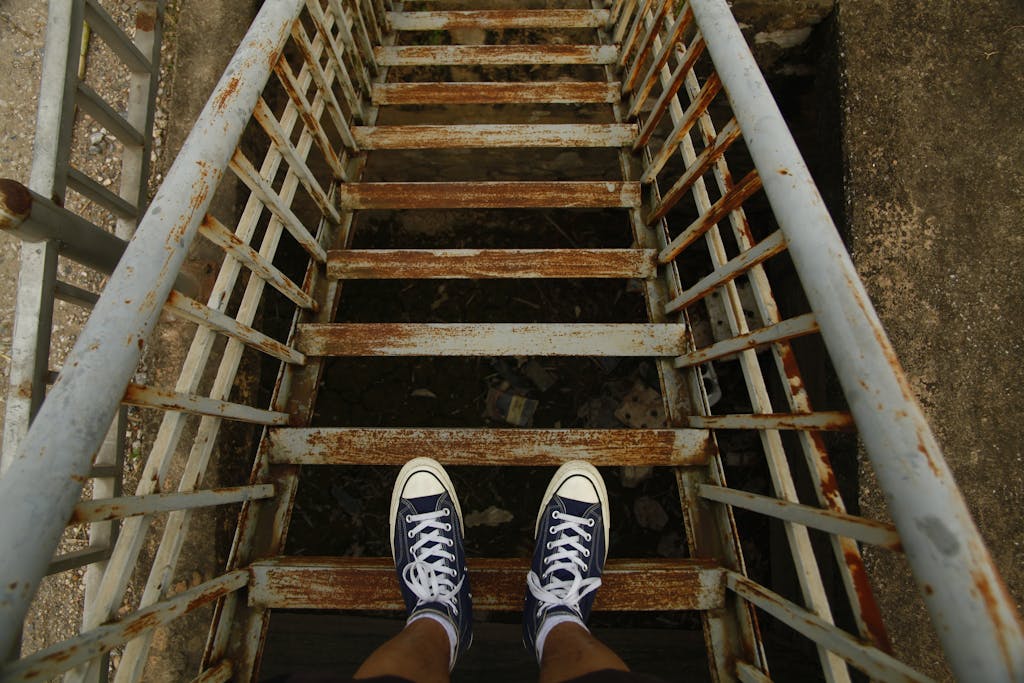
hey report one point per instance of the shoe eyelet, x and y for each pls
(409, 534)
(408, 519)
(551, 529)
(547, 546)
(447, 527)
(591, 522)
(447, 512)
(587, 536)
(586, 553)
(554, 514)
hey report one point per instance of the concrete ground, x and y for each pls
(934, 155)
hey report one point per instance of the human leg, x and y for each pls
(572, 545)
(570, 650)
(426, 543)
(420, 653)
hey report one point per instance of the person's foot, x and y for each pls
(426, 544)
(572, 545)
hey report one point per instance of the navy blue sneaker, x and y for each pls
(426, 544)
(572, 545)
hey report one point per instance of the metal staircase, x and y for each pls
(697, 142)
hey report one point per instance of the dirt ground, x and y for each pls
(934, 155)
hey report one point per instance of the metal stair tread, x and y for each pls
(494, 55)
(539, 92)
(441, 20)
(478, 135)
(498, 584)
(492, 339)
(480, 446)
(490, 195)
(357, 264)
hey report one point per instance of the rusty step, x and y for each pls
(517, 447)
(495, 135)
(490, 195)
(497, 19)
(359, 583)
(555, 92)
(493, 55)
(492, 339)
(401, 264)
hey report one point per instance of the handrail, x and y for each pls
(972, 611)
(43, 482)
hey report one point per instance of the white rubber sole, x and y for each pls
(410, 468)
(571, 469)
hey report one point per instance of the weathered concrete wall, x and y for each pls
(935, 170)
(777, 30)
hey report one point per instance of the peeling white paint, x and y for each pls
(786, 38)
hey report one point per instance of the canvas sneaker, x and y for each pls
(572, 545)
(426, 544)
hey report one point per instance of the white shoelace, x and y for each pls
(432, 581)
(568, 556)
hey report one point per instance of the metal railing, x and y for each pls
(681, 68)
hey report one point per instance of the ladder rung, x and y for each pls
(359, 583)
(497, 19)
(494, 55)
(403, 264)
(555, 92)
(490, 195)
(518, 447)
(495, 135)
(492, 339)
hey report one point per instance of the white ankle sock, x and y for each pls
(448, 627)
(550, 623)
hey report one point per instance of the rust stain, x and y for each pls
(145, 21)
(869, 610)
(792, 368)
(784, 171)
(932, 464)
(829, 485)
(62, 655)
(489, 195)
(16, 198)
(994, 597)
(140, 626)
(24, 390)
(492, 93)
(223, 98)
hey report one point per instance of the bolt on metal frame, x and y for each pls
(676, 62)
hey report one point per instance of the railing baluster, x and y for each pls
(697, 107)
(295, 94)
(272, 127)
(707, 158)
(768, 247)
(787, 329)
(248, 174)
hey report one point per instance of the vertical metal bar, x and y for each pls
(30, 344)
(973, 613)
(103, 534)
(142, 91)
(41, 491)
